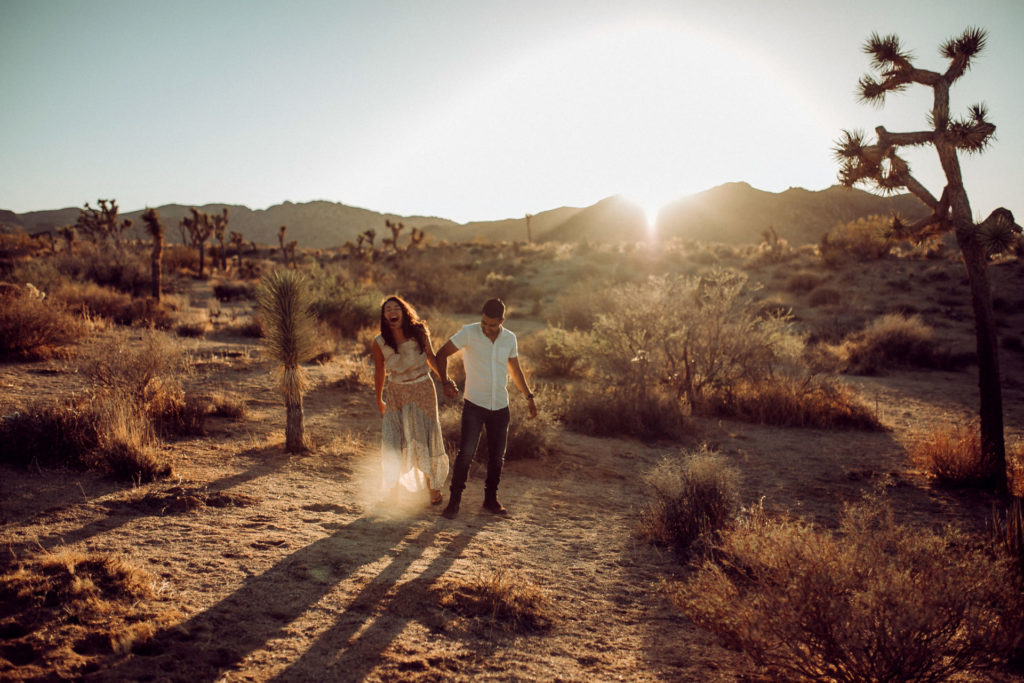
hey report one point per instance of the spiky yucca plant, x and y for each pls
(881, 166)
(290, 337)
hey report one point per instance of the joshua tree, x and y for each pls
(102, 223)
(529, 233)
(396, 230)
(69, 233)
(199, 227)
(220, 225)
(156, 230)
(289, 253)
(236, 240)
(285, 301)
(280, 236)
(880, 165)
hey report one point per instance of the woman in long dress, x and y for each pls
(412, 449)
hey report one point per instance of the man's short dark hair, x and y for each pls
(495, 308)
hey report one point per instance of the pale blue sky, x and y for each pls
(469, 109)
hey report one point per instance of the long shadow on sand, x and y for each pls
(265, 607)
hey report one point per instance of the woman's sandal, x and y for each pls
(436, 497)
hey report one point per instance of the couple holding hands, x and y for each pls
(412, 449)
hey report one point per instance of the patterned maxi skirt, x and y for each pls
(411, 442)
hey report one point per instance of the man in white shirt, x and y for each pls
(491, 353)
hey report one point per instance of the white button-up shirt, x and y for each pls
(486, 364)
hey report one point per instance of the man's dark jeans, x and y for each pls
(474, 419)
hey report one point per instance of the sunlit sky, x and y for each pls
(470, 109)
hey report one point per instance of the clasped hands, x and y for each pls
(451, 390)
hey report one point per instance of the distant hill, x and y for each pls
(737, 212)
(734, 212)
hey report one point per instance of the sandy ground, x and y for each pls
(309, 577)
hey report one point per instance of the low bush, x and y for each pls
(99, 432)
(803, 281)
(555, 352)
(825, 296)
(193, 330)
(788, 402)
(234, 291)
(950, 454)
(602, 413)
(896, 341)
(875, 601)
(693, 497)
(866, 239)
(32, 328)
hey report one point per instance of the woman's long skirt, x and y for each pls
(411, 442)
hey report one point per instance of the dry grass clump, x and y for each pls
(875, 601)
(788, 402)
(33, 328)
(693, 498)
(97, 300)
(65, 613)
(897, 341)
(501, 598)
(234, 291)
(951, 454)
(100, 432)
(181, 499)
(193, 330)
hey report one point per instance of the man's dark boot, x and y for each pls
(491, 503)
(452, 509)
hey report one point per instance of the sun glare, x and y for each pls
(648, 111)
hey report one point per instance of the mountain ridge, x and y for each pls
(732, 212)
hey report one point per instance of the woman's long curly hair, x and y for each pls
(412, 326)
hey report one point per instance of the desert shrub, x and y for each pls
(577, 308)
(341, 304)
(179, 257)
(690, 335)
(875, 601)
(35, 328)
(503, 597)
(41, 272)
(121, 269)
(595, 412)
(555, 352)
(18, 244)
(193, 330)
(141, 370)
(951, 454)
(234, 291)
(866, 239)
(98, 300)
(50, 433)
(788, 402)
(229, 406)
(803, 281)
(825, 296)
(897, 341)
(693, 497)
(97, 432)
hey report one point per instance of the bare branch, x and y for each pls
(887, 139)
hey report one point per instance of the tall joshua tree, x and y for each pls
(880, 165)
(200, 227)
(220, 226)
(284, 300)
(156, 230)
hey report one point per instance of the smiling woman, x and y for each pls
(649, 111)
